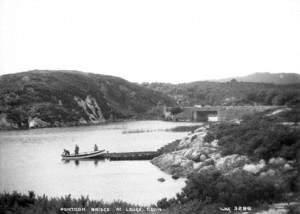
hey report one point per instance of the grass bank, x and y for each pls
(31, 204)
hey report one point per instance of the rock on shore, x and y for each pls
(193, 154)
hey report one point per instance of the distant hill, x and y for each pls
(276, 78)
(43, 98)
(229, 93)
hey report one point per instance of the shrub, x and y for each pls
(237, 189)
(31, 204)
(258, 137)
(293, 209)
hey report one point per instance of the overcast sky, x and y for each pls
(151, 40)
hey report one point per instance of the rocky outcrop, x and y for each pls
(174, 163)
(91, 109)
(193, 154)
(37, 123)
(231, 162)
(255, 168)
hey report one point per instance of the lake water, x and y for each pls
(30, 160)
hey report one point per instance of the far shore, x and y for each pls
(69, 125)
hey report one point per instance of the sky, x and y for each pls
(151, 40)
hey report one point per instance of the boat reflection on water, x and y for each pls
(77, 162)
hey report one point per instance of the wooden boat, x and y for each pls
(83, 155)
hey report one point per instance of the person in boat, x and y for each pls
(95, 148)
(76, 149)
(66, 152)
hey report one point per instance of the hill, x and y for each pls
(43, 98)
(229, 93)
(265, 77)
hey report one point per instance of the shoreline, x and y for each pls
(92, 124)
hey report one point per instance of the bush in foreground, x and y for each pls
(257, 137)
(237, 189)
(32, 204)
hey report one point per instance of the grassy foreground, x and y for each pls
(31, 204)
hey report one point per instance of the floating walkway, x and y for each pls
(148, 155)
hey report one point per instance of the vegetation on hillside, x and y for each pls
(257, 136)
(50, 96)
(229, 93)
